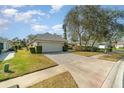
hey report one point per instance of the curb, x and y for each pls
(112, 75)
(119, 79)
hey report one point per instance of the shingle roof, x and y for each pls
(120, 42)
(51, 37)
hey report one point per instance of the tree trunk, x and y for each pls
(65, 32)
(87, 41)
(106, 47)
(80, 40)
(94, 42)
(65, 35)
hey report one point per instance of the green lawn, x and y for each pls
(87, 54)
(63, 80)
(24, 62)
(112, 57)
(118, 49)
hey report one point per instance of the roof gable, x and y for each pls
(48, 36)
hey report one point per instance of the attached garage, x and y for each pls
(52, 47)
(49, 42)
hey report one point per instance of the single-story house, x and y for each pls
(120, 44)
(102, 45)
(49, 42)
(4, 44)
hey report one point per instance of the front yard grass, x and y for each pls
(63, 80)
(112, 57)
(87, 54)
(121, 49)
(24, 62)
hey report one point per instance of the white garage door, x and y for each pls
(52, 47)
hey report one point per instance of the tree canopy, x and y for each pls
(94, 24)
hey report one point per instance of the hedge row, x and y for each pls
(65, 48)
(89, 48)
(32, 50)
(36, 50)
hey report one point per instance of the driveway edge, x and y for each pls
(119, 80)
(112, 75)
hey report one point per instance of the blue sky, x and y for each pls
(20, 21)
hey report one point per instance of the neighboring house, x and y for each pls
(4, 44)
(102, 46)
(120, 44)
(49, 42)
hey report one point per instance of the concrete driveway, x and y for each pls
(87, 71)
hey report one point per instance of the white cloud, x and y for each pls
(9, 12)
(26, 16)
(39, 28)
(57, 28)
(29, 16)
(34, 12)
(4, 24)
(17, 6)
(22, 17)
(55, 8)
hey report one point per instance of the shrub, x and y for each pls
(108, 49)
(89, 48)
(32, 50)
(0, 51)
(70, 47)
(11, 49)
(15, 48)
(101, 50)
(65, 48)
(95, 49)
(38, 49)
(77, 48)
(19, 47)
(86, 48)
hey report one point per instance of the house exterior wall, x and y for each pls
(102, 46)
(6, 46)
(50, 46)
(119, 46)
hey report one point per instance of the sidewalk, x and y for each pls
(6, 56)
(33, 78)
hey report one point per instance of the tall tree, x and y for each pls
(73, 23)
(94, 23)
